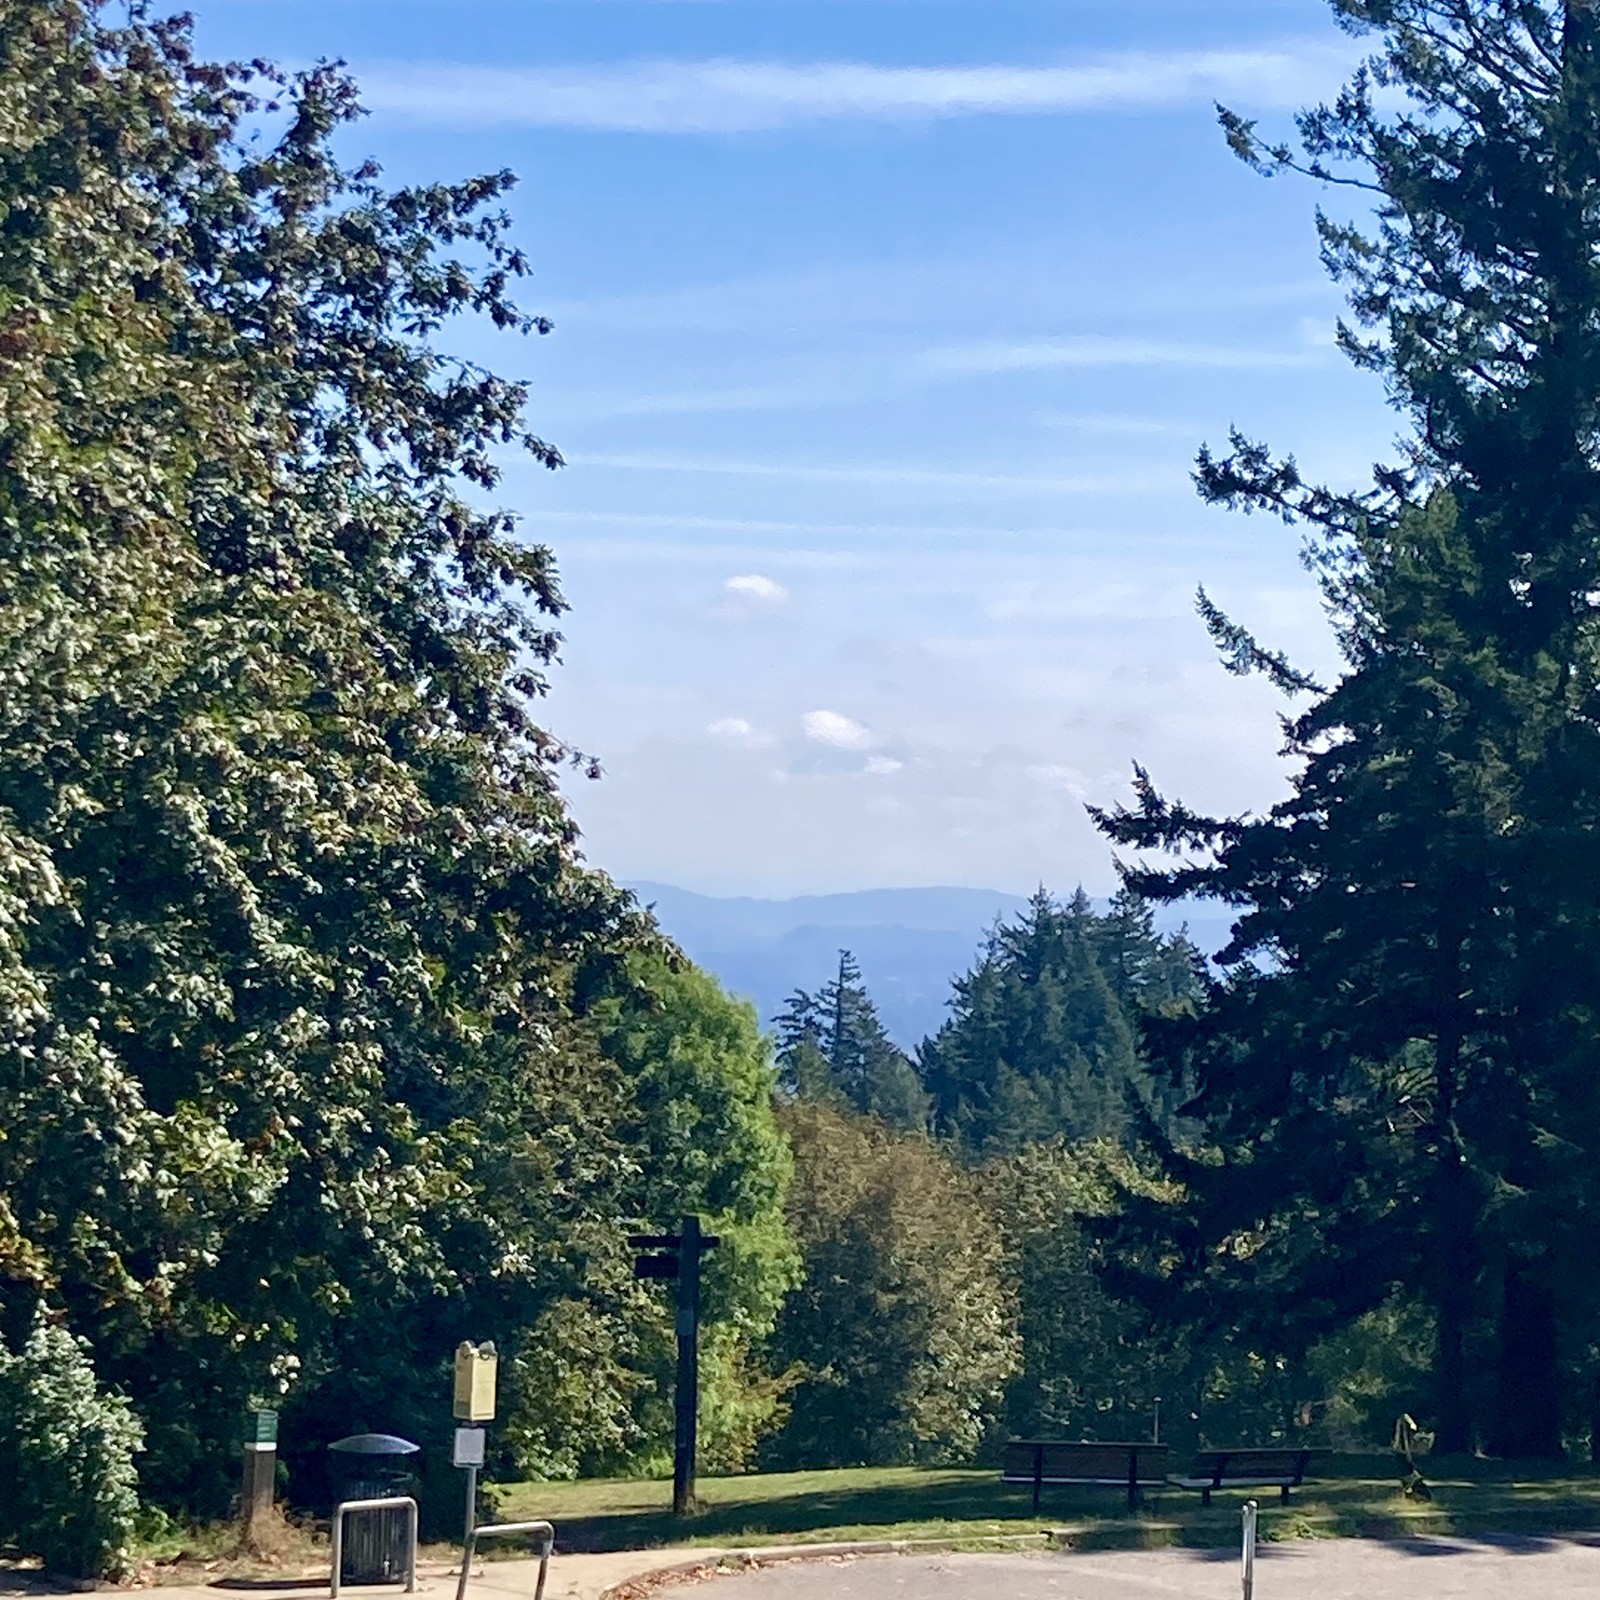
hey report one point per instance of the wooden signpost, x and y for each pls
(677, 1256)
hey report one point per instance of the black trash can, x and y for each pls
(374, 1466)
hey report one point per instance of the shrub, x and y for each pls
(66, 1452)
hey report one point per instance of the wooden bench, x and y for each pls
(1134, 1467)
(1247, 1469)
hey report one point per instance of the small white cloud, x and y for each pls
(835, 729)
(882, 766)
(736, 730)
(752, 589)
(1067, 779)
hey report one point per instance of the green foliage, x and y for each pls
(1042, 1041)
(67, 1453)
(832, 1046)
(1369, 1370)
(304, 1050)
(706, 1140)
(902, 1333)
(1088, 1369)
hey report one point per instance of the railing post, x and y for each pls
(547, 1539)
(1038, 1474)
(1248, 1552)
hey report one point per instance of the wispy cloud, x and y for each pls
(1103, 423)
(854, 534)
(893, 475)
(1037, 355)
(739, 96)
(697, 402)
(915, 291)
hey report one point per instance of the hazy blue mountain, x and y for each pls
(910, 943)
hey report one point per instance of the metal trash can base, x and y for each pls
(374, 1466)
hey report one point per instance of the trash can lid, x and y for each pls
(375, 1444)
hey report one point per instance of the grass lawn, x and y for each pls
(1356, 1495)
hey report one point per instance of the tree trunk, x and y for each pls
(1528, 1410)
(1453, 1221)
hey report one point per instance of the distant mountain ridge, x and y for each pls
(911, 943)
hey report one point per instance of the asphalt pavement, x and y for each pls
(1333, 1569)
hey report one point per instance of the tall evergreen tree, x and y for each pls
(832, 1044)
(1401, 1073)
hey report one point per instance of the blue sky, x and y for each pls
(886, 332)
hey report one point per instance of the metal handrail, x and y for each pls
(547, 1539)
(397, 1502)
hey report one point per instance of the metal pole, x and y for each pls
(1248, 1554)
(1155, 1432)
(412, 1515)
(472, 1504)
(687, 1394)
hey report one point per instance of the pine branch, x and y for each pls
(1242, 655)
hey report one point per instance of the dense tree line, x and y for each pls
(946, 1204)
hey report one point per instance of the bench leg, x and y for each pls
(1205, 1497)
(1283, 1493)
